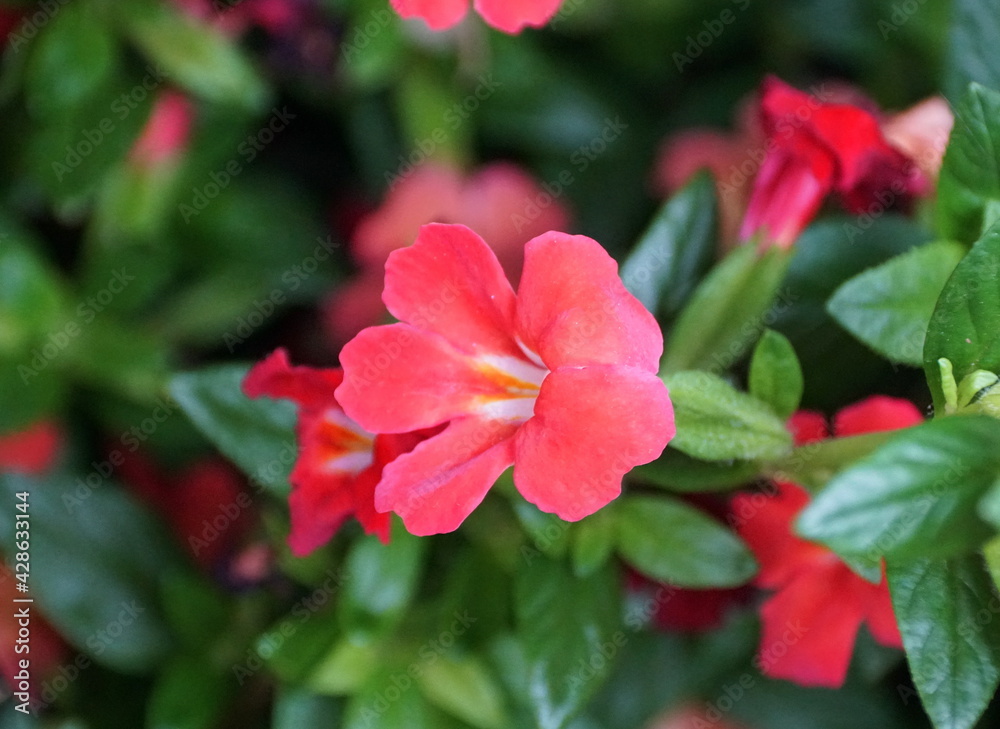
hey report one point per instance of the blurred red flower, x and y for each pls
(32, 450)
(339, 462)
(547, 379)
(166, 133)
(510, 16)
(811, 620)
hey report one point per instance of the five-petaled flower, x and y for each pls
(816, 148)
(814, 588)
(559, 380)
(510, 16)
(339, 462)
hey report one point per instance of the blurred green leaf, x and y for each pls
(382, 579)
(567, 626)
(465, 688)
(676, 249)
(973, 38)
(546, 532)
(717, 422)
(258, 435)
(672, 542)
(727, 312)
(96, 558)
(31, 388)
(775, 374)
(593, 541)
(344, 669)
(970, 172)
(914, 497)
(391, 699)
(30, 298)
(954, 654)
(192, 54)
(812, 465)
(889, 307)
(196, 610)
(679, 472)
(189, 693)
(965, 326)
(115, 356)
(73, 55)
(296, 708)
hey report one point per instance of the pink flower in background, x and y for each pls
(815, 148)
(496, 200)
(510, 16)
(31, 451)
(339, 462)
(816, 595)
(921, 133)
(166, 133)
(558, 380)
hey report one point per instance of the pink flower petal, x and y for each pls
(438, 484)
(319, 504)
(574, 310)
(875, 414)
(275, 376)
(587, 432)
(398, 378)
(451, 283)
(438, 14)
(809, 627)
(354, 306)
(511, 16)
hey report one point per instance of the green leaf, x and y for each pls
(344, 669)
(30, 298)
(391, 699)
(546, 532)
(593, 541)
(96, 558)
(715, 422)
(567, 627)
(117, 357)
(914, 497)
(965, 327)
(889, 307)
(670, 541)
(970, 172)
(466, 689)
(189, 694)
(775, 374)
(727, 312)
(297, 707)
(31, 388)
(945, 613)
(196, 610)
(678, 472)
(813, 465)
(192, 54)
(381, 581)
(973, 39)
(258, 435)
(675, 250)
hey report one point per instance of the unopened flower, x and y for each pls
(558, 380)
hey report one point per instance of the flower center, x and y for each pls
(343, 444)
(515, 386)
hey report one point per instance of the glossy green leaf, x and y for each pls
(465, 688)
(675, 250)
(258, 435)
(965, 327)
(727, 312)
(775, 374)
(970, 172)
(889, 307)
(973, 39)
(670, 541)
(716, 422)
(189, 693)
(96, 558)
(946, 615)
(914, 497)
(566, 627)
(381, 580)
(193, 55)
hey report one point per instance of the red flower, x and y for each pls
(510, 16)
(810, 623)
(205, 505)
(32, 450)
(817, 148)
(167, 131)
(339, 462)
(922, 133)
(559, 379)
(495, 200)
